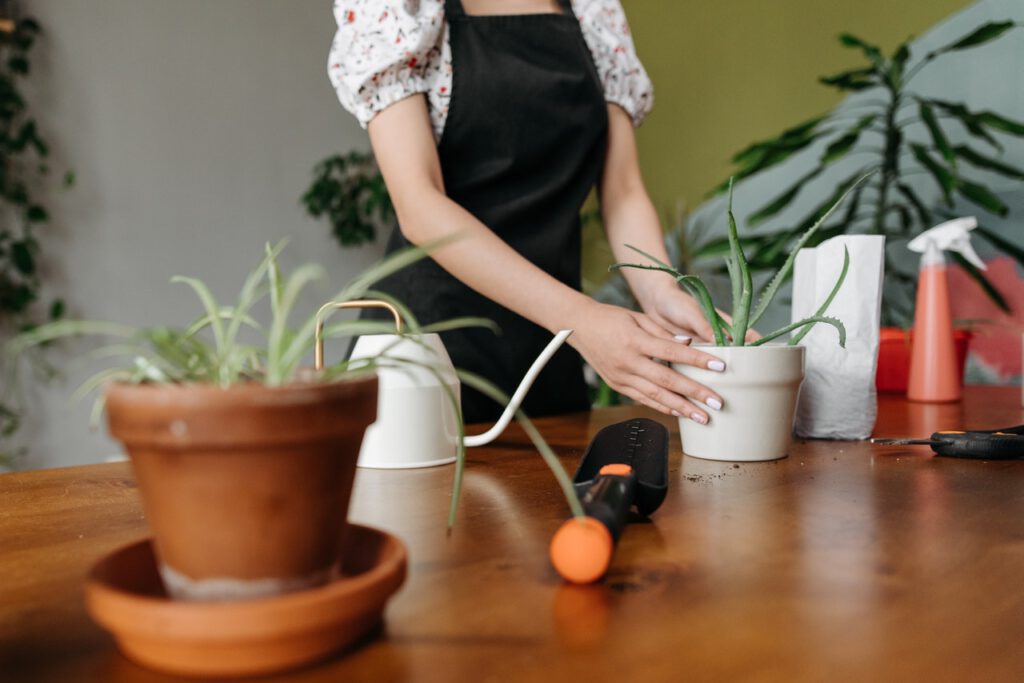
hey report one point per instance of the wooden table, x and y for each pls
(842, 562)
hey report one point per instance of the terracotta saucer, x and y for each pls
(125, 596)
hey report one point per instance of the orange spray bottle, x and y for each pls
(933, 365)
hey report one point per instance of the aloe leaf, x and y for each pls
(210, 304)
(943, 177)
(742, 281)
(983, 197)
(979, 276)
(734, 280)
(806, 321)
(979, 36)
(828, 300)
(938, 137)
(699, 291)
(772, 288)
(668, 267)
(988, 163)
(551, 460)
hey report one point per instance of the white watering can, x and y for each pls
(416, 423)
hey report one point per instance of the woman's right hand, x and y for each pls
(624, 348)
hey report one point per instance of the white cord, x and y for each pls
(517, 398)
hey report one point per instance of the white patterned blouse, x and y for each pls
(387, 50)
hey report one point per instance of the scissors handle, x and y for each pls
(995, 444)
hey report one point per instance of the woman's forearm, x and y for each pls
(630, 219)
(487, 264)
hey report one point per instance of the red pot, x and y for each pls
(894, 357)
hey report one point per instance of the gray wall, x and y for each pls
(192, 127)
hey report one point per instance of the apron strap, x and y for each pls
(453, 9)
(566, 6)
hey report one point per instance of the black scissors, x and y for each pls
(993, 444)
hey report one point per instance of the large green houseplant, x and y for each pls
(245, 459)
(903, 133)
(761, 380)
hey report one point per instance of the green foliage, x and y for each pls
(349, 190)
(887, 205)
(744, 314)
(210, 350)
(23, 154)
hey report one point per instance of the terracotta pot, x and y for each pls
(759, 390)
(893, 371)
(247, 488)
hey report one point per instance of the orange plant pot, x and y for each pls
(246, 488)
(893, 371)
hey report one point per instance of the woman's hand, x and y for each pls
(676, 311)
(624, 348)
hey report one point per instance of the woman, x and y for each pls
(494, 119)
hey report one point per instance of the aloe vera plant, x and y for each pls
(745, 314)
(210, 349)
(904, 133)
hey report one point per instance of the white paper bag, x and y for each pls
(837, 398)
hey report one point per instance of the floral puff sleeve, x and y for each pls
(607, 35)
(385, 51)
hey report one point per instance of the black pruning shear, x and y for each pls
(993, 444)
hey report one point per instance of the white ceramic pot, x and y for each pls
(759, 389)
(416, 424)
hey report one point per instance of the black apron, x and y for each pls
(523, 145)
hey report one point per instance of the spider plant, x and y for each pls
(210, 349)
(744, 313)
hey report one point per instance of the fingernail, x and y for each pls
(699, 419)
(683, 338)
(714, 403)
(676, 413)
(716, 365)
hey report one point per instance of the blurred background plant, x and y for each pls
(904, 134)
(349, 191)
(23, 179)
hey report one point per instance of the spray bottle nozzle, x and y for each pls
(954, 235)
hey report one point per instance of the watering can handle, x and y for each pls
(330, 307)
(517, 398)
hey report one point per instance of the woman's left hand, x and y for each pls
(677, 311)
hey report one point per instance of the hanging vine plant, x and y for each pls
(23, 174)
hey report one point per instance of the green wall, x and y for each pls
(727, 73)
